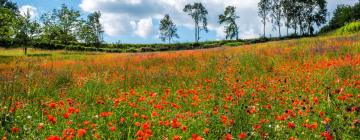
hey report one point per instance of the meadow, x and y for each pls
(295, 89)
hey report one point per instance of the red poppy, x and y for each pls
(66, 115)
(327, 135)
(105, 114)
(52, 119)
(15, 130)
(112, 129)
(81, 133)
(242, 135)
(176, 137)
(291, 125)
(228, 137)
(206, 131)
(53, 138)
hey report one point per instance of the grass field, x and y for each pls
(296, 89)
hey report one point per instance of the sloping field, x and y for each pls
(296, 89)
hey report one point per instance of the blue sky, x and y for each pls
(137, 21)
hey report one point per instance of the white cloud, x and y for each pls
(137, 17)
(144, 27)
(32, 10)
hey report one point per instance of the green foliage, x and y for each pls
(7, 22)
(234, 44)
(264, 7)
(61, 24)
(229, 18)
(167, 29)
(198, 13)
(344, 14)
(353, 27)
(91, 30)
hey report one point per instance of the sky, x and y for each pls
(137, 21)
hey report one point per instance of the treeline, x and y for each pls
(299, 15)
(64, 28)
(343, 15)
(56, 29)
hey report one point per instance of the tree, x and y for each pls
(9, 5)
(61, 24)
(229, 18)
(27, 30)
(198, 13)
(276, 14)
(8, 14)
(315, 12)
(288, 13)
(92, 30)
(167, 29)
(264, 10)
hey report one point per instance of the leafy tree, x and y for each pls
(7, 22)
(276, 14)
(167, 29)
(8, 14)
(61, 24)
(264, 11)
(315, 12)
(198, 13)
(9, 5)
(288, 13)
(28, 30)
(92, 30)
(229, 18)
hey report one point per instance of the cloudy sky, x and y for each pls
(137, 21)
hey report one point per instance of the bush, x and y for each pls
(353, 27)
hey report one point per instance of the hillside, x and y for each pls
(296, 89)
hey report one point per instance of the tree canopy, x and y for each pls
(229, 19)
(198, 13)
(167, 29)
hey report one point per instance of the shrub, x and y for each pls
(353, 27)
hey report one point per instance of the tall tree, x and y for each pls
(288, 13)
(92, 30)
(62, 24)
(9, 5)
(8, 15)
(198, 13)
(229, 18)
(264, 11)
(27, 30)
(167, 29)
(276, 14)
(315, 12)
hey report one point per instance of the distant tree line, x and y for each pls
(299, 15)
(60, 26)
(344, 14)
(64, 26)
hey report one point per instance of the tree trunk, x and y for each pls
(264, 29)
(279, 30)
(25, 50)
(195, 32)
(287, 29)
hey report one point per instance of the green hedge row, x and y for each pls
(132, 48)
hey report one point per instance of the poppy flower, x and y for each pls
(15, 130)
(176, 137)
(242, 135)
(112, 129)
(51, 118)
(228, 137)
(291, 125)
(53, 138)
(206, 131)
(105, 114)
(81, 133)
